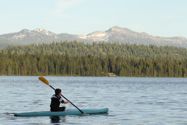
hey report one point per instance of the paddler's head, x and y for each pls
(58, 91)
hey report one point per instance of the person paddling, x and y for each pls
(56, 99)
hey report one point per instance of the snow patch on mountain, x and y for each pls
(19, 36)
(97, 36)
(43, 31)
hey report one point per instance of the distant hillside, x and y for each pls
(81, 59)
(112, 35)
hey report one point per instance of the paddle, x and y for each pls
(44, 80)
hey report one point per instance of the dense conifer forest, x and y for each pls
(94, 59)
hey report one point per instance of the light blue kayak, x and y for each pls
(64, 113)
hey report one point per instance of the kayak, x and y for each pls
(64, 113)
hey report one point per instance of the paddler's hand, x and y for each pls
(65, 102)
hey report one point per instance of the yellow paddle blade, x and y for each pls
(44, 80)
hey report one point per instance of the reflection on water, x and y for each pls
(55, 119)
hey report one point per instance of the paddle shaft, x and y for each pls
(68, 100)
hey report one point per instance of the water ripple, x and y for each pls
(131, 101)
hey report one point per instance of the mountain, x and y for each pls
(127, 36)
(36, 36)
(114, 34)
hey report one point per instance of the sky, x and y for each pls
(156, 17)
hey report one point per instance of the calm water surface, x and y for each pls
(131, 101)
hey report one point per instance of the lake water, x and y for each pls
(131, 101)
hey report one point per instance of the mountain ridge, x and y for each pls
(113, 34)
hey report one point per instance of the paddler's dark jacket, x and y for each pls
(55, 103)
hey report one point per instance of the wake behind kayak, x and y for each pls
(64, 113)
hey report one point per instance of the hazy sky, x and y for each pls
(156, 17)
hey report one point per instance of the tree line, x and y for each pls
(94, 59)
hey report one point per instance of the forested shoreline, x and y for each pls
(94, 59)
